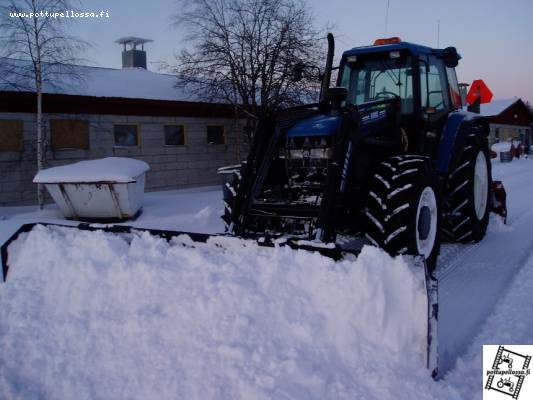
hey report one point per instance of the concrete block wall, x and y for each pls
(171, 167)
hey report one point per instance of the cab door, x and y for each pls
(435, 101)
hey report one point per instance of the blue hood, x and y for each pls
(319, 125)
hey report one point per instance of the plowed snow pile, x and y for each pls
(89, 315)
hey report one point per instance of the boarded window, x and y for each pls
(126, 135)
(215, 134)
(11, 136)
(174, 135)
(69, 134)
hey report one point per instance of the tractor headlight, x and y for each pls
(309, 147)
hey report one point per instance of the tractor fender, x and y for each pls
(454, 136)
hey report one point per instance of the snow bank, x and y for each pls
(110, 169)
(497, 224)
(142, 318)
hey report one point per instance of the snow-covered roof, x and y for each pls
(133, 83)
(496, 107)
(136, 83)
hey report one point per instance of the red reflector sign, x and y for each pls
(479, 90)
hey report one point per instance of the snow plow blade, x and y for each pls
(332, 251)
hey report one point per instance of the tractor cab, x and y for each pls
(422, 78)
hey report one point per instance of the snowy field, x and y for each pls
(140, 318)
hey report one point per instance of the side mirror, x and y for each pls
(297, 72)
(336, 94)
(451, 57)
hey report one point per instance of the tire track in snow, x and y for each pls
(473, 278)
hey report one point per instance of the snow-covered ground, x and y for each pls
(510, 322)
(195, 210)
(143, 318)
(472, 279)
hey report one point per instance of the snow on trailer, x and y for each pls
(227, 318)
(104, 189)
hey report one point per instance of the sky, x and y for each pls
(494, 37)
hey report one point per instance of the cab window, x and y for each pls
(380, 79)
(453, 85)
(433, 85)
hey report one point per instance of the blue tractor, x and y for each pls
(388, 155)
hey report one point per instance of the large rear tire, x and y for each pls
(403, 213)
(467, 191)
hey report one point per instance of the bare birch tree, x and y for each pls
(244, 51)
(37, 52)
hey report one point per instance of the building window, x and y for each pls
(497, 133)
(216, 134)
(174, 135)
(126, 135)
(11, 136)
(69, 134)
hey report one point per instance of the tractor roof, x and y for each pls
(415, 49)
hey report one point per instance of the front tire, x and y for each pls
(403, 213)
(467, 192)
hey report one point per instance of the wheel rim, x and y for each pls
(426, 222)
(481, 185)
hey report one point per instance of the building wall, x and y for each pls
(504, 132)
(171, 167)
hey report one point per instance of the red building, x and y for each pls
(510, 119)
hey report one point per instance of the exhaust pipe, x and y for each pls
(326, 79)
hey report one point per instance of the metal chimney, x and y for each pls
(132, 57)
